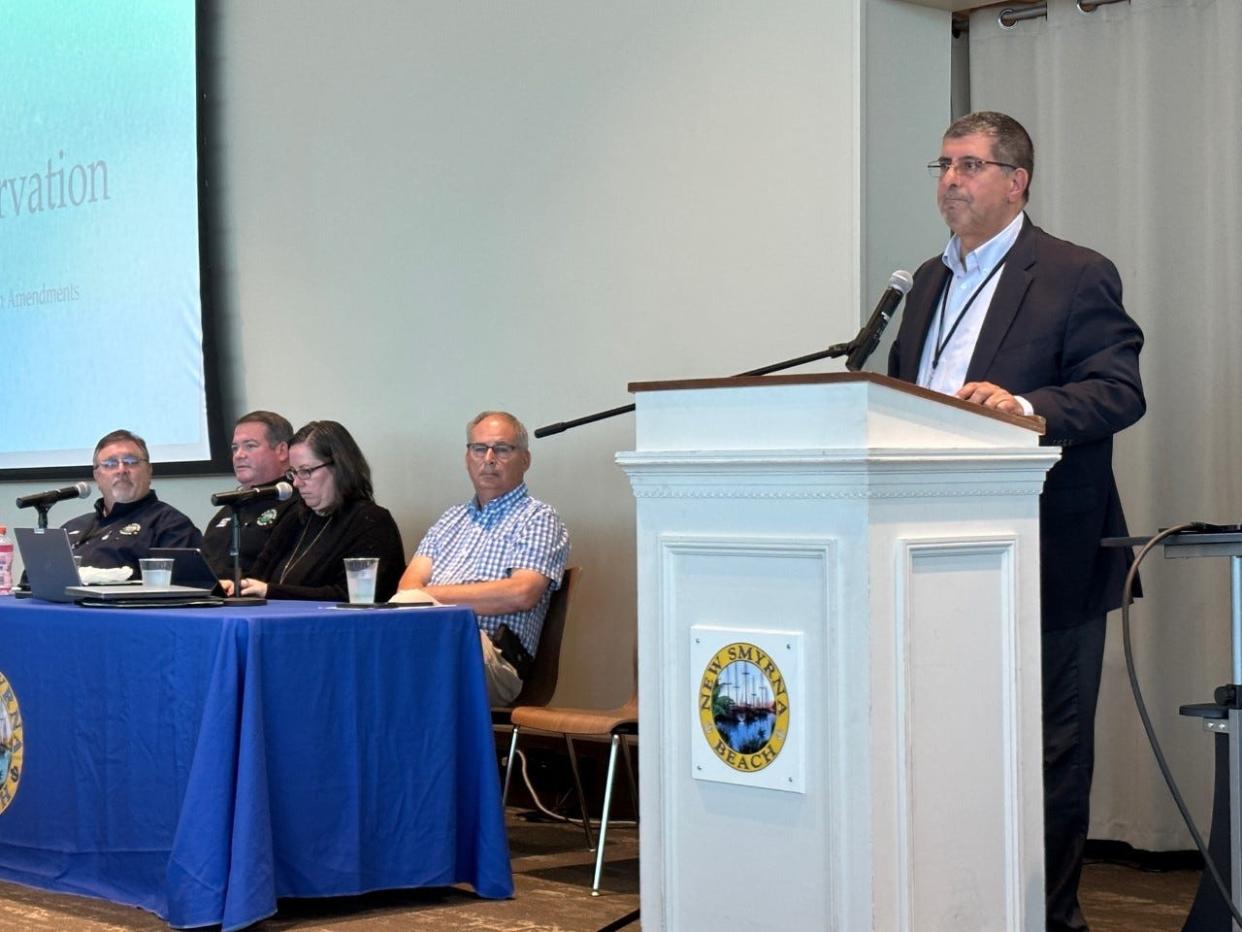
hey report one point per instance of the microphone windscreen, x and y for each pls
(284, 491)
(84, 489)
(902, 280)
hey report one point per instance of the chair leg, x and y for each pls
(504, 795)
(582, 804)
(603, 824)
(629, 770)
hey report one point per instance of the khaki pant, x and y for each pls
(503, 683)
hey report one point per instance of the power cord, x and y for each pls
(1163, 764)
(556, 816)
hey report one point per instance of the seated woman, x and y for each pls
(337, 518)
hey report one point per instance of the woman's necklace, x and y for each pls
(295, 556)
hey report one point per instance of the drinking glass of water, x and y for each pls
(360, 575)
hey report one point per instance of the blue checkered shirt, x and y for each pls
(513, 532)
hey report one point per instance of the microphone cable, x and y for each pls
(1161, 762)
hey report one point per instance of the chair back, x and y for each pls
(541, 684)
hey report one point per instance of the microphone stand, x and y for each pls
(43, 508)
(832, 352)
(235, 552)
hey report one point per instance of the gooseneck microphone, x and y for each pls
(46, 499)
(281, 491)
(899, 284)
(856, 350)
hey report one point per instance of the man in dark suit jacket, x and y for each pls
(1012, 318)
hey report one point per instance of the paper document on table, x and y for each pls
(414, 597)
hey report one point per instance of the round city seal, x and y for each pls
(12, 745)
(744, 707)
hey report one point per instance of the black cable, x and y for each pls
(621, 923)
(1126, 591)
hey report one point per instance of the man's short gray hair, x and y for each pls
(1011, 143)
(121, 436)
(523, 441)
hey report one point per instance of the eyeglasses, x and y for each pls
(304, 472)
(967, 166)
(114, 463)
(502, 450)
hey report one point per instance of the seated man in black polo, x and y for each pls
(128, 520)
(260, 457)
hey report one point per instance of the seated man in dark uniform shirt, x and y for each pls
(129, 519)
(260, 457)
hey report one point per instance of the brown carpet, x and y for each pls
(552, 872)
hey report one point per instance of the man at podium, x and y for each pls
(1015, 319)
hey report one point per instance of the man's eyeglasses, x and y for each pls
(304, 472)
(114, 463)
(502, 450)
(967, 166)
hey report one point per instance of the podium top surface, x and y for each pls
(1034, 423)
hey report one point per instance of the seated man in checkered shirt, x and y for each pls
(502, 553)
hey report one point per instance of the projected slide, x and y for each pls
(100, 311)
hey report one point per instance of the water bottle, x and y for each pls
(6, 562)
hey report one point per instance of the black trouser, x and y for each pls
(1071, 665)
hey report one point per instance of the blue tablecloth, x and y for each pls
(200, 763)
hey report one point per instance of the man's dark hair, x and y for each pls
(1011, 143)
(333, 444)
(118, 436)
(277, 429)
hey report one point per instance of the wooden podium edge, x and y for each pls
(1033, 423)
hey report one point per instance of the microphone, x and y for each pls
(899, 284)
(281, 491)
(46, 499)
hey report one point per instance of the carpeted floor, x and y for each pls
(552, 871)
(1117, 898)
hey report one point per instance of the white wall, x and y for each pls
(906, 100)
(433, 208)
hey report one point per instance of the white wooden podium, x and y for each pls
(838, 615)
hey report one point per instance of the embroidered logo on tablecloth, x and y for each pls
(12, 743)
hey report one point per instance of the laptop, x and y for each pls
(190, 568)
(50, 569)
(127, 596)
(53, 576)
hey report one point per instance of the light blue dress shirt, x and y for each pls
(968, 274)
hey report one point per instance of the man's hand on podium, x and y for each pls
(990, 396)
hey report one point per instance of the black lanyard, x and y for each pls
(942, 344)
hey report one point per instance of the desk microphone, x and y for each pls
(46, 499)
(281, 491)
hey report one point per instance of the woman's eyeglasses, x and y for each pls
(304, 472)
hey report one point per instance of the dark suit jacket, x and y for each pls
(1056, 334)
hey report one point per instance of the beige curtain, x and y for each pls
(1136, 113)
